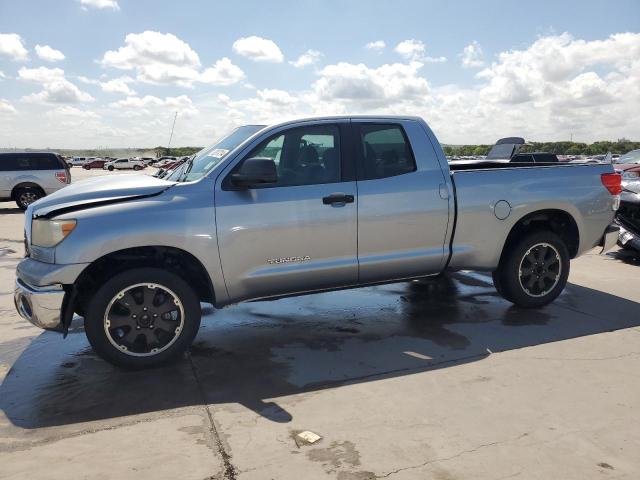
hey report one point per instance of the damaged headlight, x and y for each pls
(49, 233)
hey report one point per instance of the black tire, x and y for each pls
(110, 168)
(137, 167)
(26, 196)
(110, 340)
(86, 167)
(497, 283)
(545, 261)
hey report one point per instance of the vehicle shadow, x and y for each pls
(10, 211)
(253, 353)
(632, 257)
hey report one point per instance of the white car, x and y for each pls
(78, 161)
(124, 164)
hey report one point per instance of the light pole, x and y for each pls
(171, 136)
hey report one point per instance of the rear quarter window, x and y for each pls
(21, 162)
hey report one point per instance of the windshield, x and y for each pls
(206, 159)
(632, 157)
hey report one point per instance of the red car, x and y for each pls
(94, 164)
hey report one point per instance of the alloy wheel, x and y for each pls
(27, 198)
(144, 319)
(540, 270)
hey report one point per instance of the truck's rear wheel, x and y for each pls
(534, 271)
(142, 318)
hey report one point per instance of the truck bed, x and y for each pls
(520, 189)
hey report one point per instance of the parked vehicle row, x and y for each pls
(335, 203)
(111, 163)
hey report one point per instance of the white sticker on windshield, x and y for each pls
(218, 153)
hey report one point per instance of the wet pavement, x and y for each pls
(436, 379)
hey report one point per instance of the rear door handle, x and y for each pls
(336, 198)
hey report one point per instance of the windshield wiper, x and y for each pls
(187, 168)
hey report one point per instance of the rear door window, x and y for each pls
(46, 162)
(384, 151)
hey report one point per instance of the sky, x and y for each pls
(113, 73)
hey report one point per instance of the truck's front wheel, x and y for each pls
(142, 317)
(534, 270)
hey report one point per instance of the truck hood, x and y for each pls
(99, 190)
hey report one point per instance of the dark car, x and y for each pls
(97, 163)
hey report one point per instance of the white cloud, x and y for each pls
(363, 86)
(150, 105)
(258, 49)
(6, 107)
(68, 111)
(40, 74)
(55, 87)
(2, 75)
(118, 85)
(223, 72)
(472, 56)
(157, 58)
(592, 93)
(546, 90)
(100, 4)
(556, 86)
(542, 71)
(416, 50)
(61, 91)
(376, 46)
(48, 54)
(310, 57)
(268, 106)
(88, 81)
(11, 46)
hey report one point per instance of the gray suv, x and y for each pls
(26, 177)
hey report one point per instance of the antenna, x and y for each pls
(171, 136)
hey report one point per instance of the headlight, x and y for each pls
(49, 233)
(631, 175)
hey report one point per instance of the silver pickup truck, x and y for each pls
(297, 208)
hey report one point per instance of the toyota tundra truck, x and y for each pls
(297, 208)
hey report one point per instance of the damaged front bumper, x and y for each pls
(44, 293)
(42, 306)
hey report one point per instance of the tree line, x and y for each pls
(560, 148)
(176, 152)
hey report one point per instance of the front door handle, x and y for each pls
(337, 198)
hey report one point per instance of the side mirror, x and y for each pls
(255, 171)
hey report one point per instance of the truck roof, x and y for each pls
(341, 117)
